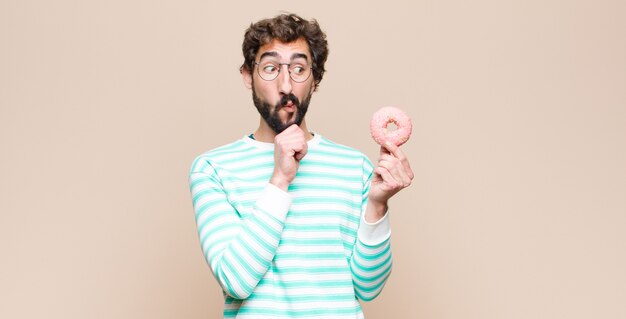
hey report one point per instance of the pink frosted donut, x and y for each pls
(382, 118)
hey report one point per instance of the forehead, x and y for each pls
(285, 50)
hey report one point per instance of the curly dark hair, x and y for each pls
(286, 28)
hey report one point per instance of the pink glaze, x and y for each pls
(382, 118)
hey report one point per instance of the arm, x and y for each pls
(371, 259)
(238, 250)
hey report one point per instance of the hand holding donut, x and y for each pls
(393, 172)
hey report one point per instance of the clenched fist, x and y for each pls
(289, 148)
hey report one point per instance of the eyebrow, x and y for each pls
(276, 55)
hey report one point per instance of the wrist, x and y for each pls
(375, 211)
(280, 182)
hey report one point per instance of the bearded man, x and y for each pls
(292, 224)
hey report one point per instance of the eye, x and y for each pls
(298, 69)
(270, 68)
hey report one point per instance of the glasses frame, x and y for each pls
(280, 69)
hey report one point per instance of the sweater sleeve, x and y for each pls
(371, 260)
(239, 249)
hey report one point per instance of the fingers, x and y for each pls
(292, 141)
(390, 183)
(396, 170)
(393, 170)
(290, 147)
(390, 148)
(300, 155)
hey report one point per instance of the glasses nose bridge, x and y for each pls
(280, 69)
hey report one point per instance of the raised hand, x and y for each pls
(289, 148)
(392, 174)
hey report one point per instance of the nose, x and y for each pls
(284, 80)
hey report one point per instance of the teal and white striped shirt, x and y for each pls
(304, 253)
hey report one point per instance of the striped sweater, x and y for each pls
(304, 253)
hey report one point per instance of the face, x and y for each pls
(282, 101)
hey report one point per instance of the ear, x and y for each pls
(246, 76)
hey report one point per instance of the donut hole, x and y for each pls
(391, 127)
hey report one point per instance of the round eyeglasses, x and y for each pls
(269, 70)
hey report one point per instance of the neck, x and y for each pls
(265, 133)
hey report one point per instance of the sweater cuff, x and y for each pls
(274, 201)
(373, 234)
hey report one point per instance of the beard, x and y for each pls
(270, 114)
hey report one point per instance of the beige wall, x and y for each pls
(518, 209)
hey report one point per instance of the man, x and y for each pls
(291, 224)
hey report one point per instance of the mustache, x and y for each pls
(289, 97)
